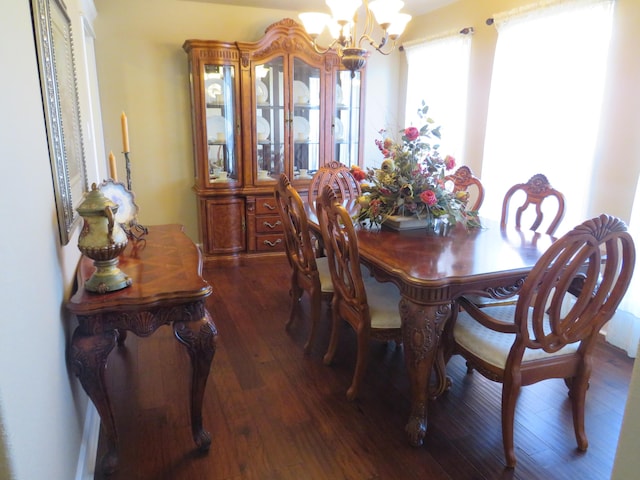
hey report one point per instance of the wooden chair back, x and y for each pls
(306, 274)
(600, 252)
(554, 325)
(338, 177)
(536, 191)
(379, 319)
(341, 247)
(463, 180)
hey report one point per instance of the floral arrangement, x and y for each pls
(411, 180)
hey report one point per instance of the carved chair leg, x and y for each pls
(335, 334)
(361, 364)
(510, 393)
(569, 383)
(315, 305)
(578, 394)
(295, 293)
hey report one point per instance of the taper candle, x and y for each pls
(113, 172)
(125, 133)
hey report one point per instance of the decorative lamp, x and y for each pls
(342, 25)
(102, 239)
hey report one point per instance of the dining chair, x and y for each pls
(463, 180)
(369, 307)
(549, 332)
(308, 273)
(533, 193)
(529, 195)
(338, 177)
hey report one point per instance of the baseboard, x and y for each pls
(89, 446)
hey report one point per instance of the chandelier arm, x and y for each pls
(322, 51)
(380, 45)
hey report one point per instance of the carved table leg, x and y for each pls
(421, 329)
(88, 356)
(200, 339)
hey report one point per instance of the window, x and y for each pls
(438, 72)
(545, 101)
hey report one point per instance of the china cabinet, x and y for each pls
(260, 109)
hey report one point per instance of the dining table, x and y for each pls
(432, 272)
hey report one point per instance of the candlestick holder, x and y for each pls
(134, 230)
(127, 165)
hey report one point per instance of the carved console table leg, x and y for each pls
(421, 329)
(88, 357)
(200, 339)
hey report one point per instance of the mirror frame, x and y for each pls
(59, 87)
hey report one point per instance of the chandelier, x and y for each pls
(343, 26)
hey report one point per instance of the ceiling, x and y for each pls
(412, 7)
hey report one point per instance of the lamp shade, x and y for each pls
(385, 10)
(398, 24)
(314, 22)
(343, 10)
(335, 29)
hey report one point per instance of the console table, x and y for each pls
(168, 287)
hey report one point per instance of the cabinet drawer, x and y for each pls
(268, 224)
(266, 206)
(270, 243)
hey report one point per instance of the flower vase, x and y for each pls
(438, 226)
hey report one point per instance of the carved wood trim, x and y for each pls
(143, 322)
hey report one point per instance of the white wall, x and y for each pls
(42, 406)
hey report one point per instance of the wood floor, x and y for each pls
(274, 413)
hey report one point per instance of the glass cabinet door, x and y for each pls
(346, 121)
(270, 119)
(306, 119)
(219, 90)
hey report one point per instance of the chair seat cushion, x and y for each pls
(491, 346)
(487, 301)
(326, 285)
(384, 300)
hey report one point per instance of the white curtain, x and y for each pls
(438, 72)
(623, 330)
(545, 100)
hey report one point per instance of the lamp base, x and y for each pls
(107, 277)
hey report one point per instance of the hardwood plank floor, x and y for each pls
(274, 413)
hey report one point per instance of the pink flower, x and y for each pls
(429, 197)
(449, 162)
(412, 133)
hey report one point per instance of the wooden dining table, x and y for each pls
(431, 273)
